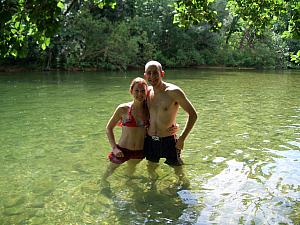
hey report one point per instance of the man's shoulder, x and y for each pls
(173, 89)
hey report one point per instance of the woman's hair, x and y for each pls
(137, 80)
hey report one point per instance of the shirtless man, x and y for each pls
(163, 102)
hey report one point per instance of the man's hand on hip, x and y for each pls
(180, 143)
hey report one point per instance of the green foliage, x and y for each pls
(121, 34)
(196, 12)
(266, 51)
(121, 48)
(32, 21)
(27, 21)
(296, 58)
(100, 43)
(293, 9)
(258, 14)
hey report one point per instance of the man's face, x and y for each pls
(153, 75)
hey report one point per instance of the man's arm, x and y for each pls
(187, 106)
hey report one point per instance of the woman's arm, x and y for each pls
(110, 133)
(173, 129)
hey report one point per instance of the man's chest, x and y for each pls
(160, 102)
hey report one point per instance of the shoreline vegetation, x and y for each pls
(17, 69)
(90, 38)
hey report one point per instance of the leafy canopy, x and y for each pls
(32, 21)
(24, 22)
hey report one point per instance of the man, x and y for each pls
(163, 102)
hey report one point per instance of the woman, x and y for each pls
(134, 118)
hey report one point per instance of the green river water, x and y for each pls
(242, 158)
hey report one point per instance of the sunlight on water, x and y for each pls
(235, 197)
(242, 159)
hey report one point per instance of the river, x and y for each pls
(242, 158)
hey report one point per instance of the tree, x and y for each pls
(191, 12)
(26, 23)
(33, 21)
(258, 14)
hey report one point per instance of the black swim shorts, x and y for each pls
(162, 147)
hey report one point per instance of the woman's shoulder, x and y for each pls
(123, 108)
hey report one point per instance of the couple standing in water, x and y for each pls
(149, 124)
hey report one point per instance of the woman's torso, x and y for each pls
(134, 122)
(132, 138)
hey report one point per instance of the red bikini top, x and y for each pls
(129, 120)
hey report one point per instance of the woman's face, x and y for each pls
(139, 91)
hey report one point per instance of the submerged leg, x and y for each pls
(109, 171)
(182, 180)
(104, 184)
(151, 167)
(131, 166)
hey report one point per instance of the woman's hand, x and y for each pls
(173, 129)
(117, 152)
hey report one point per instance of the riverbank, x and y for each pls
(35, 68)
